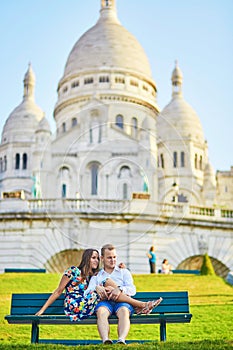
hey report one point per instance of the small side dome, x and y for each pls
(24, 119)
(209, 175)
(178, 120)
(43, 126)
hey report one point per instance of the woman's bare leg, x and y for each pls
(123, 298)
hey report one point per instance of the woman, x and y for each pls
(75, 281)
(166, 267)
(152, 259)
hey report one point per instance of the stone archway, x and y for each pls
(195, 263)
(59, 262)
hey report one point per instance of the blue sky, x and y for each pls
(197, 33)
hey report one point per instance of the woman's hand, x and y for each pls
(113, 293)
(40, 312)
(122, 265)
(101, 292)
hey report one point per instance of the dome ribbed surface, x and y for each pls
(178, 119)
(107, 44)
(24, 118)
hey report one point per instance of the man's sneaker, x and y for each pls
(108, 342)
(120, 341)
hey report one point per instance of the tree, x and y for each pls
(207, 267)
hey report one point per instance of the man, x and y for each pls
(123, 278)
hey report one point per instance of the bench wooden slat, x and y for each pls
(24, 270)
(135, 319)
(189, 272)
(173, 309)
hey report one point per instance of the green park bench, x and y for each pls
(186, 272)
(189, 272)
(173, 309)
(23, 270)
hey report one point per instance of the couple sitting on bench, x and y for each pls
(104, 292)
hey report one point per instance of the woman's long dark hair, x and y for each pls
(85, 264)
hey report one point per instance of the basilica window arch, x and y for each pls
(74, 122)
(134, 127)
(125, 172)
(200, 163)
(94, 169)
(25, 161)
(162, 160)
(120, 121)
(5, 164)
(17, 161)
(64, 178)
(182, 159)
(195, 161)
(175, 159)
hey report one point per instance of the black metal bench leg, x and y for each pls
(35, 332)
(163, 330)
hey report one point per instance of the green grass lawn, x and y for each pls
(211, 303)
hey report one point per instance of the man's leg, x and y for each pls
(123, 323)
(102, 323)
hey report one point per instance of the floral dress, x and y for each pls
(76, 305)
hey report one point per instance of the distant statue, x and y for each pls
(36, 188)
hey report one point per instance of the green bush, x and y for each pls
(207, 267)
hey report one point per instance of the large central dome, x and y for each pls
(108, 44)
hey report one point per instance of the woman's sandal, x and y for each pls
(150, 305)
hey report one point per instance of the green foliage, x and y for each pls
(207, 267)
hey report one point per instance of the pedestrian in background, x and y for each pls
(152, 259)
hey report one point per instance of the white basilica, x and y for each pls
(118, 169)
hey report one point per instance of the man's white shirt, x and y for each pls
(122, 277)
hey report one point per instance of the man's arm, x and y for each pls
(128, 283)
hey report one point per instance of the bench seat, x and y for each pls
(173, 309)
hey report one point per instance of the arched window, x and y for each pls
(17, 161)
(25, 159)
(1, 165)
(175, 159)
(5, 163)
(63, 127)
(195, 161)
(200, 163)
(125, 172)
(182, 160)
(94, 178)
(64, 180)
(74, 122)
(119, 121)
(162, 160)
(134, 127)
(63, 191)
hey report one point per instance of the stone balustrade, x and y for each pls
(101, 206)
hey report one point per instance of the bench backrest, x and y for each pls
(191, 272)
(29, 304)
(24, 270)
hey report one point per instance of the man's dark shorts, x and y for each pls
(114, 307)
